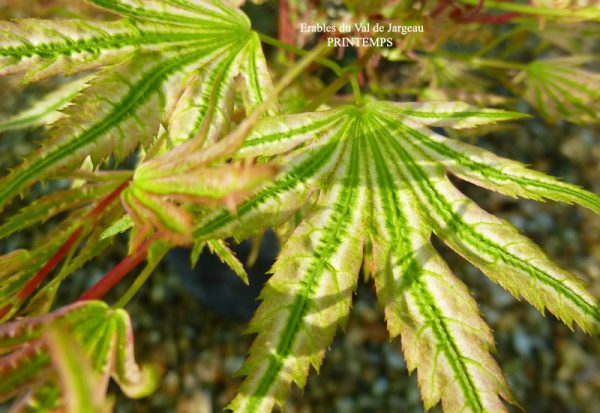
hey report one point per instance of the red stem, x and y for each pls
(64, 249)
(115, 275)
(108, 200)
(50, 265)
(5, 310)
(44, 271)
(286, 32)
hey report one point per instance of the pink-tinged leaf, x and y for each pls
(36, 358)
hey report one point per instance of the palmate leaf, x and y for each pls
(162, 187)
(380, 176)
(560, 89)
(173, 62)
(106, 340)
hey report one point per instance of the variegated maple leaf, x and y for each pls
(380, 177)
(168, 62)
(63, 361)
(560, 88)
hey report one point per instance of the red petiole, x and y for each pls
(115, 275)
(91, 218)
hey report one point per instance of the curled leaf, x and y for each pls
(38, 360)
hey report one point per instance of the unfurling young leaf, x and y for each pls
(39, 371)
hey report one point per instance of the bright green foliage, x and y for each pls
(380, 175)
(63, 361)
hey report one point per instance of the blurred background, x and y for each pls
(191, 321)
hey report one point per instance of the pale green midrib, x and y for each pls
(582, 197)
(72, 380)
(102, 43)
(328, 245)
(153, 15)
(457, 360)
(144, 88)
(26, 121)
(403, 251)
(251, 68)
(281, 136)
(454, 221)
(300, 173)
(389, 198)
